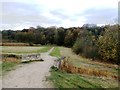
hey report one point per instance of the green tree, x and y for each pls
(59, 36)
(85, 45)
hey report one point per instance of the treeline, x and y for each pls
(98, 43)
(104, 47)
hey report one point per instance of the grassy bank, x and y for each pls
(62, 79)
(79, 61)
(56, 52)
(67, 80)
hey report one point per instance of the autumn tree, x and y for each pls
(108, 44)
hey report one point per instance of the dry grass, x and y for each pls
(65, 65)
(10, 59)
(14, 44)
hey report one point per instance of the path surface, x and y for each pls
(30, 75)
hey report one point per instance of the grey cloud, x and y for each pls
(60, 14)
(13, 19)
(100, 16)
(16, 13)
(118, 12)
(21, 8)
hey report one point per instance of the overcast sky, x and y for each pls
(19, 14)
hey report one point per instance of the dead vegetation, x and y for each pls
(65, 65)
(11, 59)
(14, 44)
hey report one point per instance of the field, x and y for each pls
(62, 79)
(55, 52)
(24, 49)
(9, 63)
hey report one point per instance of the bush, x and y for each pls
(78, 46)
(108, 44)
(86, 45)
(31, 44)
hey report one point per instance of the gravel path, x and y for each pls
(30, 75)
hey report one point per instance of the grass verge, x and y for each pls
(67, 80)
(45, 49)
(65, 65)
(56, 52)
(8, 66)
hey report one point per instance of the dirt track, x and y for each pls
(30, 75)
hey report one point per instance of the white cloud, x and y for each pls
(71, 9)
(68, 23)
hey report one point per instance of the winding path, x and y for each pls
(30, 75)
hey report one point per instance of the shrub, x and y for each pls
(108, 44)
(86, 45)
(31, 44)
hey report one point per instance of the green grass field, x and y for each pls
(56, 52)
(24, 49)
(45, 49)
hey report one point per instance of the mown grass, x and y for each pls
(24, 49)
(45, 49)
(56, 52)
(67, 80)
